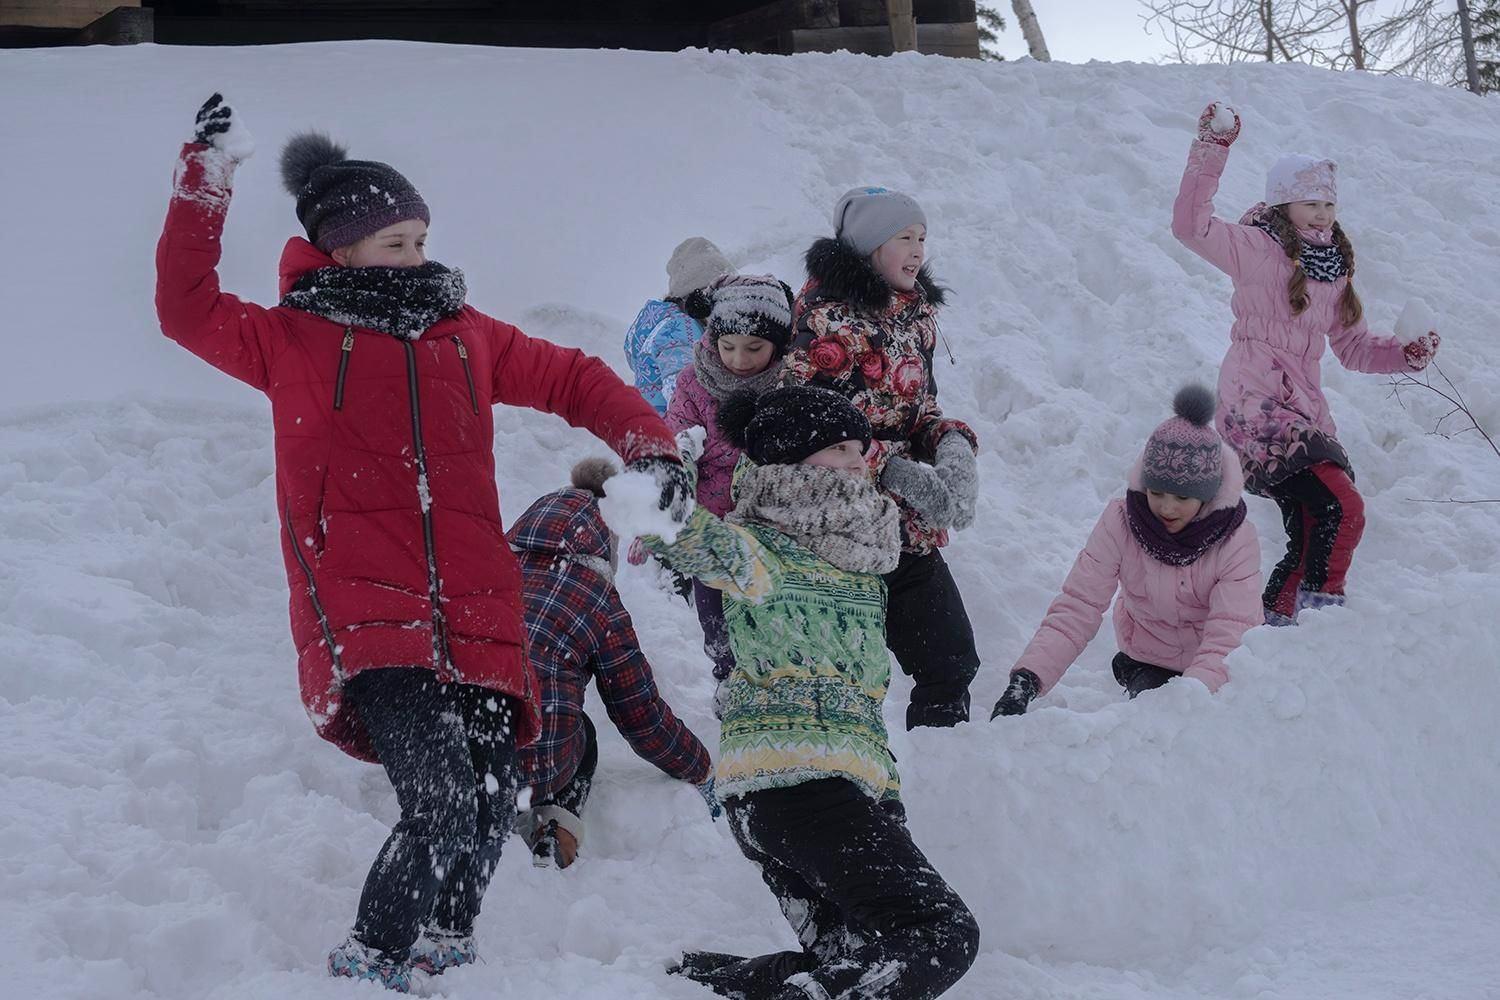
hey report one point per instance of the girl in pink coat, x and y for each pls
(1291, 264)
(744, 340)
(1185, 561)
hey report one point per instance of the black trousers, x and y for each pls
(449, 750)
(928, 630)
(575, 793)
(874, 918)
(1135, 676)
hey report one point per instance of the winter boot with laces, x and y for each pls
(437, 950)
(356, 960)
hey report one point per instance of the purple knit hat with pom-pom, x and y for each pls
(341, 201)
(1184, 455)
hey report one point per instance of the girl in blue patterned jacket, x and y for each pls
(659, 344)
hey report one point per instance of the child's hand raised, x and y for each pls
(1219, 124)
(1420, 352)
(217, 126)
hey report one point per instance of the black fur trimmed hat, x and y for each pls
(786, 425)
(341, 201)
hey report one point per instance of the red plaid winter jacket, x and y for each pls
(578, 629)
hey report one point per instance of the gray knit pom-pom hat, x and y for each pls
(1184, 455)
(341, 201)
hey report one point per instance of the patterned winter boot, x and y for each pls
(355, 960)
(437, 950)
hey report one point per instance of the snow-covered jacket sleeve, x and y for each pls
(1360, 350)
(581, 389)
(1074, 617)
(1232, 248)
(671, 345)
(683, 411)
(1234, 606)
(237, 337)
(720, 555)
(635, 704)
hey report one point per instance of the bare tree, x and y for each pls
(1031, 30)
(1247, 30)
(1466, 34)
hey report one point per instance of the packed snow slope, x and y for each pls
(170, 826)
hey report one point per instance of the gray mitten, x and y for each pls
(959, 473)
(921, 487)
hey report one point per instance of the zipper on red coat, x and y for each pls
(463, 356)
(344, 351)
(440, 660)
(312, 593)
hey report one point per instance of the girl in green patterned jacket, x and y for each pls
(804, 770)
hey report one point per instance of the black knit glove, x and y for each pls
(1023, 687)
(675, 481)
(213, 122)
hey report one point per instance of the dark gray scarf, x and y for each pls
(721, 383)
(841, 517)
(400, 301)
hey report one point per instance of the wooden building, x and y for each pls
(943, 27)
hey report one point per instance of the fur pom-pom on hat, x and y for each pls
(592, 473)
(1195, 404)
(304, 153)
(734, 417)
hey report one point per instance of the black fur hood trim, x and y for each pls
(843, 275)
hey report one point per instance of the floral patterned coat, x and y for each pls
(1272, 410)
(852, 333)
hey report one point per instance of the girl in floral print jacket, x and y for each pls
(1291, 265)
(866, 326)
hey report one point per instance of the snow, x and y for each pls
(171, 827)
(1416, 319)
(1223, 120)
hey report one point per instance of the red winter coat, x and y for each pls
(357, 415)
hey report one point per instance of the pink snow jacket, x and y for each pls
(692, 406)
(1183, 618)
(1271, 405)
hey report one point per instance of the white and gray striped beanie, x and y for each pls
(751, 305)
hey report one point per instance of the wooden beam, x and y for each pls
(903, 27)
(958, 40)
(57, 13)
(121, 26)
(766, 28)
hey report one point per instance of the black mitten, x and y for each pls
(1023, 687)
(213, 121)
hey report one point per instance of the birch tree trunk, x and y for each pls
(1471, 63)
(1031, 30)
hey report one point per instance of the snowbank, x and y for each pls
(171, 827)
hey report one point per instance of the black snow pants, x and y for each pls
(928, 630)
(1135, 676)
(874, 918)
(449, 750)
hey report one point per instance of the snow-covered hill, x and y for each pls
(170, 826)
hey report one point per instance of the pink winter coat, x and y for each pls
(692, 406)
(1271, 405)
(1183, 618)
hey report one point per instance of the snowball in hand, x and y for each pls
(632, 507)
(1223, 120)
(237, 142)
(1416, 319)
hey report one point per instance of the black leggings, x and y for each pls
(449, 750)
(928, 629)
(874, 918)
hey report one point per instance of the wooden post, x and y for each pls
(1471, 63)
(903, 26)
(1032, 31)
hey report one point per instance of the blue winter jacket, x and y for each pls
(659, 345)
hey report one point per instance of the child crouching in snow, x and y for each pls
(804, 770)
(578, 630)
(749, 326)
(405, 599)
(1182, 555)
(1292, 268)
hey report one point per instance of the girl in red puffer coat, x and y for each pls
(405, 597)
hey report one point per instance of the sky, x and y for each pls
(1108, 30)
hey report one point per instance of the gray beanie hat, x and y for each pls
(695, 264)
(341, 201)
(866, 217)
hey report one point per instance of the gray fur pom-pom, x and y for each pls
(1195, 404)
(591, 473)
(304, 153)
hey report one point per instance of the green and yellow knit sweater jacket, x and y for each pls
(804, 701)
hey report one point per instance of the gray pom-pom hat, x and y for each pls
(341, 201)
